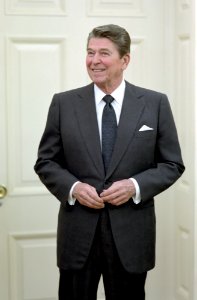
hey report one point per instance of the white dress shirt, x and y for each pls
(118, 96)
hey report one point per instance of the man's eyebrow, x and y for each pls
(105, 49)
(101, 49)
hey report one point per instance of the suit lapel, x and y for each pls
(133, 105)
(131, 111)
(88, 126)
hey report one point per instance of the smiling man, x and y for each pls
(104, 64)
(107, 150)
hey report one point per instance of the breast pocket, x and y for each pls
(145, 134)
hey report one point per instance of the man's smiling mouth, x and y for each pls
(98, 70)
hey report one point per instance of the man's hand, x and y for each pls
(87, 195)
(119, 192)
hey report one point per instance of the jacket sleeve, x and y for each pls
(168, 166)
(50, 165)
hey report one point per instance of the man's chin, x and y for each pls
(98, 80)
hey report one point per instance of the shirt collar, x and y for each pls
(118, 93)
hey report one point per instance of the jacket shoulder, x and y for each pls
(78, 91)
(141, 91)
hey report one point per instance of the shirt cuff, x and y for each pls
(137, 198)
(71, 199)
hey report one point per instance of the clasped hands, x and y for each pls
(118, 193)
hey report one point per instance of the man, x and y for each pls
(106, 186)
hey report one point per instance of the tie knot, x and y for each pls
(108, 99)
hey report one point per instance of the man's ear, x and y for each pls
(126, 59)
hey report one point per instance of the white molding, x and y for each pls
(116, 8)
(168, 85)
(194, 22)
(29, 190)
(185, 193)
(37, 7)
(28, 99)
(23, 235)
(41, 248)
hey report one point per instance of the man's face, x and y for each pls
(104, 65)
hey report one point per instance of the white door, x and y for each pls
(185, 216)
(42, 51)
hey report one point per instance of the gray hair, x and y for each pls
(116, 34)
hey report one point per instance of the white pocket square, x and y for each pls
(145, 128)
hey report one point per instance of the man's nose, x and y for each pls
(96, 58)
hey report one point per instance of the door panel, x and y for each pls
(186, 187)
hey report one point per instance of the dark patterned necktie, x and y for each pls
(109, 129)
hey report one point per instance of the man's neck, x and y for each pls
(109, 89)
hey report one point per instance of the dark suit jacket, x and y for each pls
(70, 151)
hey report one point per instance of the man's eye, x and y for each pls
(105, 53)
(90, 53)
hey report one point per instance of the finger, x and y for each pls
(119, 200)
(89, 201)
(95, 205)
(110, 197)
